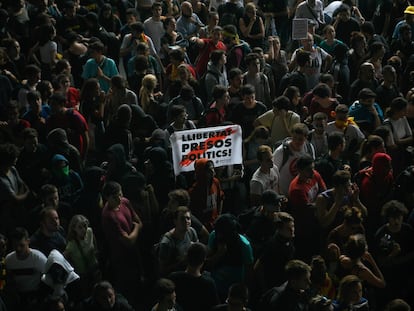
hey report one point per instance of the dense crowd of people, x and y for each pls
(318, 216)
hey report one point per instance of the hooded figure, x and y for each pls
(90, 201)
(58, 143)
(59, 274)
(118, 167)
(376, 184)
(206, 195)
(159, 173)
(67, 181)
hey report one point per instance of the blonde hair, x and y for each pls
(149, 82)
(76, 220)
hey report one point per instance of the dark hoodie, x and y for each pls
(58, 143)
(118, 166)
(206, 196)
(90, 203)
(161, 175)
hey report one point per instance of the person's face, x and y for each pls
(114, 200)
(267, 161)
(330, 33)
(13, 114)
(183, 221)
(320, 125)
(22, 248)
(130, 18)
(157, 11)
(106, 14)
(58, 274)
(36, 106)
(367, 72)
(296, 99)
(96, 55)
(182, 117)
(254, 66)
(172, 24)
(380, 148)
(52, 199)
(367, 102)
(390, 75)
(210, 171)
(70, 12)
(51, 222)
(65, 83)
(213, 21)
(223, 59)
(355, 293)
(395, 223)
(307, 43)
(80, 229)
(251, 12)
(249, 99)
(56, 108)
(15, 49)
(187, 10)
(106, 298)
(344, 16)
(298, 140)
(308, 171)
(225, 99)
(217, 36)
(237, 81)
(31, 143)
(323, 101)
(304, 282)
(288, 230)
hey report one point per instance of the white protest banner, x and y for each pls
(221, 144)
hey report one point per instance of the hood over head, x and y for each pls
(56, 259)
(57, 138)
(381, 164)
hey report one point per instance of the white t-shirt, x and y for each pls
(155, 30)
(399, 129)
(46, 52)
(261, 182)
(288, 170)
(27, 272)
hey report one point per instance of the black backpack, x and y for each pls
(202, 122)
(203, 89)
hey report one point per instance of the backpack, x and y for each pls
(229, 16)
(286, 150)
(203, 88)
(202, 122)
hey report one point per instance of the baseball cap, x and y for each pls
(409, 9)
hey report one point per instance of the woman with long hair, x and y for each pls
(92, 103)
(81, 251)
(148, 98)
(370, 146)
(62, 84)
